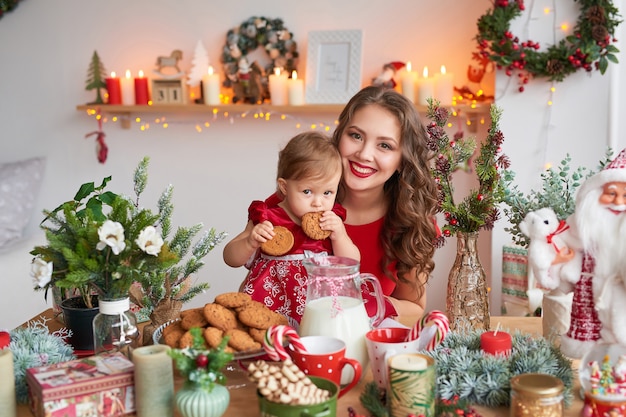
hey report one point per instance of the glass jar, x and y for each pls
(115, 327)
(536, 395)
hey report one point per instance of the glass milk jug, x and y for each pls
(335, 307)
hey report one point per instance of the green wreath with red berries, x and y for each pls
(589, 48)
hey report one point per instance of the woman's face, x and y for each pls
(370, 148)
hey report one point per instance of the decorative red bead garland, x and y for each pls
(590, 47)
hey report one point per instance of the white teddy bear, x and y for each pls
(538, 225)
(548, 235)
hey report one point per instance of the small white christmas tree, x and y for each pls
(199, 65)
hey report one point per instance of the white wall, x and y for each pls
(46, 51)
(585, 118)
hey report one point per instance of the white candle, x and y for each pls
(444, 87)
(7, 387)
(296, 90)
(426, 88)
(278, 88)
(409, 78)
(408, 362)
(128, 89)
(154, 381)
(211, 87)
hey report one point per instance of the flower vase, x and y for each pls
(115, 327)
(466, 299)
(193, 401)
(78, 318)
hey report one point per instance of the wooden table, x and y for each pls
(243, 402)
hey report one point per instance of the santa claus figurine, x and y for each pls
(385, 78)
(598, 228)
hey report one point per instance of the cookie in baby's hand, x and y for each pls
(311, 226)
(281, 243)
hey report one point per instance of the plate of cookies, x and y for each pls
(232, 314)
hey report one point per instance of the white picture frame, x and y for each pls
(333, 71)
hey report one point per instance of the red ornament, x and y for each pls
(480, 197)
(102, 150)
(202, 361)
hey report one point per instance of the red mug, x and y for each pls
(325, 358)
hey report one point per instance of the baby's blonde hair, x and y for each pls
(308, 155)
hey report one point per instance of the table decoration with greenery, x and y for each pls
(102, 243)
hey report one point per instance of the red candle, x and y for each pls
(496, 343)
(114, 88)
(141, 89)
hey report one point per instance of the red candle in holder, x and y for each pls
(114, 89)
(141, 89)
(496, 342)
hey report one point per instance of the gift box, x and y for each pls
(515, 281)
(95, 386)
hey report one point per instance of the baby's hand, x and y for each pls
(330, 221)
(261, 233)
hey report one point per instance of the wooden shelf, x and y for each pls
(202, 108)
(126, 111)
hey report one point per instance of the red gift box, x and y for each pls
(96, 386)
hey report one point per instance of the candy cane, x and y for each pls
(273, 342)
(435, 318)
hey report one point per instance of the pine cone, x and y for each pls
(554, 66)
(596, 15)
(599, 33)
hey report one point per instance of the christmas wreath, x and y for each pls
(271, 34)
(466, 375)
(589, 47)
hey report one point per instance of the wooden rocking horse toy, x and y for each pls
(164, 62)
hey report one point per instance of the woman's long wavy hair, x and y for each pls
(409, 234)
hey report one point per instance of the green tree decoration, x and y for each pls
(95, 77)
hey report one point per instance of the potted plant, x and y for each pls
(100, 243)
(203, 393)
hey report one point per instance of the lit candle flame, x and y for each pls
(408, 66)
(210, 69)
(294, 75)
(443, 70)
(127, 73)
(140, 73)
(425, 72)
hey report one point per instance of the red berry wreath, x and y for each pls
(589, 47)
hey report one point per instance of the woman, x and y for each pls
(388, 192)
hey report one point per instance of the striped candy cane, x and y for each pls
(434, 318)
(273, 342)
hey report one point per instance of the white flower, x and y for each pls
(111, 234)
(150, 241)
(41, 271)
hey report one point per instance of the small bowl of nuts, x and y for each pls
(283, 390)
